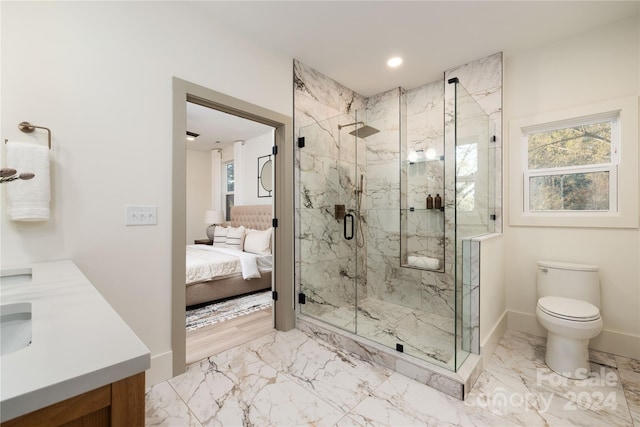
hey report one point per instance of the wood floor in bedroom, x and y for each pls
(214, 339)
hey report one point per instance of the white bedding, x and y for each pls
(207, 262)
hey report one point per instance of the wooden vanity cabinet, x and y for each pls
(119, 404)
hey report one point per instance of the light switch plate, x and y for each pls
(141, 215)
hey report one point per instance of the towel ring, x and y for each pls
(27, 127)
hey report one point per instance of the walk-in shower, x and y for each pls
(391, 272)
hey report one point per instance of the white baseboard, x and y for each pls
(161, 368)
(623, 344)
(524, 322)
(491, 341)
(608, 341)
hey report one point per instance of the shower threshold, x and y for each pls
(380, 326)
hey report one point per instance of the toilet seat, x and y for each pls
(569, 309)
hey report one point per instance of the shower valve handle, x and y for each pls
(348, 216)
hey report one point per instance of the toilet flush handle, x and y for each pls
(544, 270)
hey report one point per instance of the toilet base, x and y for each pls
(568, 357)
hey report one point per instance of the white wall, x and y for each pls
(596, 66)
(199, 183)
(198, 193)
(254, 148)
(493, 313)
(100, 76)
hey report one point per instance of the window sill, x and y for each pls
(587, 220)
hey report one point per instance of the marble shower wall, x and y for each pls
(326, 175)
(383, 112)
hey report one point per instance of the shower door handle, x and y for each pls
(347, 216)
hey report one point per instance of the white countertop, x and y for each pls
(79, 342)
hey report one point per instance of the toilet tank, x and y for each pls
(568, 280)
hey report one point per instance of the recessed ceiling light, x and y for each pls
(394, 62)
(191, 136)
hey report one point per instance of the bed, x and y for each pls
(225, 277)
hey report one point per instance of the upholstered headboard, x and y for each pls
(257, 217)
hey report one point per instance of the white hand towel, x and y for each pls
(29, 200)
(424, 262)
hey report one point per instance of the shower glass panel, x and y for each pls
(473, 134)
(362, 210)
(328, 208)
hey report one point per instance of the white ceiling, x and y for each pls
(350, 41)
(218, 129)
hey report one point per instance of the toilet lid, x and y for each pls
(569, 309)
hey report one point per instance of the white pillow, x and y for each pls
(220, 236)
(258, 242)
(235, 238)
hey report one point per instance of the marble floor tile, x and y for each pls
(338, 377)
(626, 364)
(291, 379)
(519, 386)
(236, 388)
(631, 385)
(629, 370)
(163, 407)
(401, 401)
(601, 358)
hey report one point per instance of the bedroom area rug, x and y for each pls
(226, 310)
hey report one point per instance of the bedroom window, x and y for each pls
(229, 182)
(229, 177)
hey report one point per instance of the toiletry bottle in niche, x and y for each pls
(437, 202)
(429, 202)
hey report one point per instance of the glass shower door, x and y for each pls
(327, 234)
(473, 133)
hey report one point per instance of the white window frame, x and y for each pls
(623, 169)
(613, 118)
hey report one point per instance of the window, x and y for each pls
(572, 165)
(466, 170)
(228, 185)
(575, 167)
(228, 168)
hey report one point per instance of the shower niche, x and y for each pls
(422, 205)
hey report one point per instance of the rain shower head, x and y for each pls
(364, 132)
(361, 132)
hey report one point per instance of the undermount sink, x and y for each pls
(15, 327)
(16, 275)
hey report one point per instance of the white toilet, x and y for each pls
(569, 309)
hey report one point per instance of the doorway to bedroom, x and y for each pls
(281, 213)
(229, 206)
